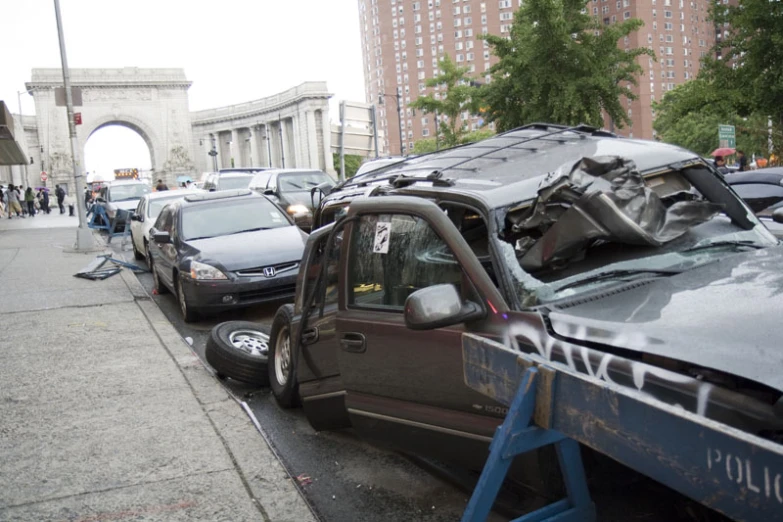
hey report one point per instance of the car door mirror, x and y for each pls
(269, 192)
(137, 217)
(160, 236)
(777, 215)
(438, 306)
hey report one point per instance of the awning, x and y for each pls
(10, 151)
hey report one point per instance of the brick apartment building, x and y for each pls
(402, 41)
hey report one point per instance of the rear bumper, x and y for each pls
(215, 296)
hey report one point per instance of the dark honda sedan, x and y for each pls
(224, 250)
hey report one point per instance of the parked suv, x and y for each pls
(292, 190)
(228, 180)
(121, 195)
(628, 260)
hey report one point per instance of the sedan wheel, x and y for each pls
(239, 350)
(187, 312)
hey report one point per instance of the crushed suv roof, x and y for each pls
(521, 156)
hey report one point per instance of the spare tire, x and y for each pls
(239, 350)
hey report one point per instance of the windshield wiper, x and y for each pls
(248, 230)
(617, 274)
(197, 238)
(716, 244)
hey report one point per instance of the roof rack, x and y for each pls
(552, 133)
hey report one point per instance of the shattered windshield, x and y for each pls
(600, 221)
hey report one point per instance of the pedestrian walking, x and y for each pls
(2, 201)
(87, 199)
(43, 200)
(161, 186)
(720, 165)
(60, 193)
(12, 195)
(29, 199)
(742, 161)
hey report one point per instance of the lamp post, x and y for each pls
(268, 139)
(397, 97)
(214, 153)
(84, 239)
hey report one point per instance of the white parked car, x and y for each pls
(146, 213)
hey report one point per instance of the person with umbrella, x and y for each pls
(720, 165)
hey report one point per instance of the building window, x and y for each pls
(626, 15)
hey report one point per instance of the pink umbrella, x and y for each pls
(723, 151)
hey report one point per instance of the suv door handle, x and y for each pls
(353, 342)
(310, 335)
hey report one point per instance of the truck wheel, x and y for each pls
(282, 369)
(239, 350)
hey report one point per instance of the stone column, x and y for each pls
(326, 139)
(255, 158)
(296, 143)
(235, 149)
(312, 141)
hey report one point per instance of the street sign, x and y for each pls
(77, 118)
(726, 136)
(44, 176)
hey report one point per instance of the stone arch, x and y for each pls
(125, 120)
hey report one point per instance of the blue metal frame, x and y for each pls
(515, 436)
(109, 225)
(736, 473)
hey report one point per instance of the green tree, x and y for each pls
(427, 145)
(561, 65)
(459, 96)
(690, 114)
(352, 163)
(750, 70)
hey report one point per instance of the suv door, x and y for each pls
(405, 387)
(318, 372)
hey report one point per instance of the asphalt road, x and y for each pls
(344, 478)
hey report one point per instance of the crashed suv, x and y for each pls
(628, 260)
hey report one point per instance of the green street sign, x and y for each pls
(726, 136)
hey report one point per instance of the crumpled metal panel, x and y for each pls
(603, 197)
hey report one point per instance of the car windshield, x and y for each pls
(302, 181)
(234, 182)
(558, 248)
(156, 205)
(230, 216)
(127, 192)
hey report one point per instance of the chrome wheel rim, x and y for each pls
(251, 342)
(283, 356)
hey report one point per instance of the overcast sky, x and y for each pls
(232, 50)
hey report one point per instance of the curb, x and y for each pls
(268, 483)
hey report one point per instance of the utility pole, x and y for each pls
(84, 239)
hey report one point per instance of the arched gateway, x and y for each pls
(152, 102)
(288, 129)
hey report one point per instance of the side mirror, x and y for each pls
(777, 215)
(269, 192)
(160, 237)
(100, 200)
(438, 306)
(137, 217)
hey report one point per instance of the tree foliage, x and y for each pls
(457, 97)
(750, 67)
(561, 65)
(426, 145)
(352, 163)
(690, 114)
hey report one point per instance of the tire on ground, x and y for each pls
(229, 361)
(287, 395)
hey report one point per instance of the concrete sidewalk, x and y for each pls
(105, 412)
